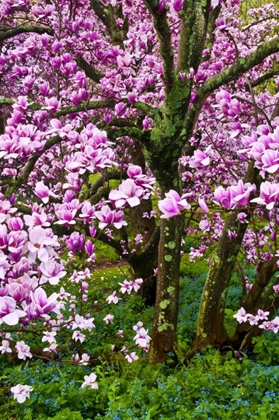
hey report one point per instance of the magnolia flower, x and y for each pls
(269, 195)
(108, 318)
(131, 357)
(39, 243)
(21, 392)
(173, 205)
(51, 349)
(5, 348)
(77, 335)
(8, 312)
(112, 298)
(142, 338)
(49, 336)
(241, 315)
(108, 217)
(128, 192)
(43, 192)
(23, 350)
(90, 381)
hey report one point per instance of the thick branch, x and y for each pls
(242, 65)
(266, 270)
(87, 106)
(107, 16)
(90, 71)
(142, 135)
(7, 33)
(194, 21)
(164, 36)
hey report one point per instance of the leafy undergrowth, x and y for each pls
(209, 386)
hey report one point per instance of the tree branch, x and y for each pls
(264, 78)
(90, 71)
(164, 36)
(194, 22)
(23, 178)
(7, 33)
(86, 106)
(107, 16)
(242, 65)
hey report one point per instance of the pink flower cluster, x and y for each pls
(242, 316)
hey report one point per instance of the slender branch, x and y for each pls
(242, 65)
(264, 78)
(23, 178)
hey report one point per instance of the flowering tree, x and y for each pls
(110, 106)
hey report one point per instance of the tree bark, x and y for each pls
(167, 294)
(210, 327)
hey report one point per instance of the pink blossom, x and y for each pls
(75, 242)
(52, 272)
(108, 319)
(112, 298)
(203, 205)
(21, 392)
(77, 335)
(49, 336)
(142, 338)
(138, 326)
(177, 5)
(173, 205)
(51, 349)
(36, 219)
(132, 357)
(235, 195)
(8, 312)
(84, 359)
(5, 348)
(269, 195)
(128, 192)
(90, 380)
(110, 217)
(215, 3)
(66, 216)
(43, 192)
(41, 304)
(241, 316)
(40, 243)
(23, 350)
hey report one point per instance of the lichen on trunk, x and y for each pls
(167, 294)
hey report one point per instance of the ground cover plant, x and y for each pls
(213, 384)
(136, 138)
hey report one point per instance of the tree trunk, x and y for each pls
(210, 328)
(167, 294)
(261, 296)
